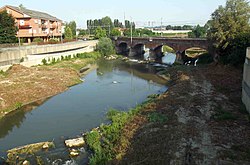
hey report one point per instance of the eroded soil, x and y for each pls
(207, 123)
(22, 85)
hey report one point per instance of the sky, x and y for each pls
(170, 12)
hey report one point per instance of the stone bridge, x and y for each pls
(137, 45)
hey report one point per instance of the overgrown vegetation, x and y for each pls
(103, 141)
(105, 47)
(53, 60)
(228, 32)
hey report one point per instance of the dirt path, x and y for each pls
(206, 125)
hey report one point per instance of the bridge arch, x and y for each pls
(137, 50)
(122, 48)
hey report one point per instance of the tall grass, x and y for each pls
(102, 141)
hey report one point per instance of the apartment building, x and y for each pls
(34, 24)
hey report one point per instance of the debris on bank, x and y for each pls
(20, 153)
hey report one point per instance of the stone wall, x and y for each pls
(13, 55)
(246, 81)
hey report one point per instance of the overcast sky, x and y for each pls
(174, 12)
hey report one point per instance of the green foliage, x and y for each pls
(22, 59)
(205, 58)
(93, 140)
(100, 33)
(105, 46)
(44, 61)
(18, 105)
(115, 32)
(72, 26)
(8, 28)
(198, 32)
(222, 115)
(37, 40)
(156, 117)
(237, 51)
(94, 55)
(68, 33)
(226, 24)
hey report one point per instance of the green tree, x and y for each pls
(8, 28)
(197, 32)
(105, 46)
(68, 33)
(115, 32)
(226, 24)
(72, 26)
(100, 33)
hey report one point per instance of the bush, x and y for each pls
(44, 61)
(37, 40)
(105, 47)
(205, 58)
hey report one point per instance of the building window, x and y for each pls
(21, 22)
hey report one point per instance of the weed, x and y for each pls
(156, 117)
(44, 61)
(221, 115)
(22, 59)
(18, 105)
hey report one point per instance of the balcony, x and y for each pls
(44, 26)
(25, 26)
(53, 26)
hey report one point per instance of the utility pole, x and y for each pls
(131, 31)
(161, 27)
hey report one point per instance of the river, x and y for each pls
(114, 84)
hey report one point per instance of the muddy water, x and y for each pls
(114, 84)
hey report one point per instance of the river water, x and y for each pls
(114, 84)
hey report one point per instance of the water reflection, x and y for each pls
(16, 118)
(83, 106)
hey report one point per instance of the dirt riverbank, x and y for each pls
(206, 122)
(22, 85)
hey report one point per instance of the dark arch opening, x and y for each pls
(137, 51)
(123, 49)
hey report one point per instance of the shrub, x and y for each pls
(37, 40)
(105, 47)
(44, 61)
(205, 58)
(22, 59)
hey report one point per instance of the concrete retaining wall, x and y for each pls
(246, 82)
(10, 56)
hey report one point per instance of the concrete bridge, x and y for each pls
(138, 44)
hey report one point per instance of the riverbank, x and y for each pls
(206, 121)
(23, 85)
(199, 120)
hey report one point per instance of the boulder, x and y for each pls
(78, 142)
(74, 153)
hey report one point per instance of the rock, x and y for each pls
(26, 162)
(45, 146)
(74, 153)
(78, 142)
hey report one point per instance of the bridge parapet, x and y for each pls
(178, 44)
